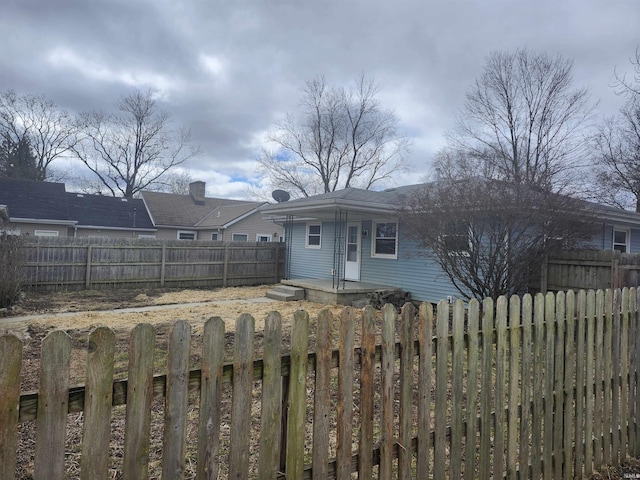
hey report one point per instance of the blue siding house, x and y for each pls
(353, 236)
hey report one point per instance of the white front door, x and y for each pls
(352, 257)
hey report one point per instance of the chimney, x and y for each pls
(197, 192)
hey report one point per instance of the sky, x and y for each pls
(230, 70)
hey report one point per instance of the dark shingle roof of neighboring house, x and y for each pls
(32, 200)
(100, 211)
(168, 209)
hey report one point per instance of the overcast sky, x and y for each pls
(227, 70)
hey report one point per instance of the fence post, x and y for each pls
(226, 265)
(276, 262)
(87, 283)
(10, 364)
(164, 264)
(544, 274)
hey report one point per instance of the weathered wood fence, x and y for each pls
(528, 388)
(590, 269)
(77, 263)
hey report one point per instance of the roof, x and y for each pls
(226, 215)
(168, 209)
(33, 200)
(100, 211)
(360, 203)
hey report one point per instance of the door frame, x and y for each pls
(348, 276)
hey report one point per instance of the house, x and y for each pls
(36, 208)
(351, 241)
(198, 217)
(47, 209)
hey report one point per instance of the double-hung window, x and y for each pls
(384, 240)
(621, 240)
(314, 235)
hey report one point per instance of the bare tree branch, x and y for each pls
(133, 150)
(342, 138)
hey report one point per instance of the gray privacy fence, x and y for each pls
(79, 263)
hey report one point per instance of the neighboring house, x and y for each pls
(102, 216)
(198, 217)
(4, 215)
(354, 235)
(36, 208)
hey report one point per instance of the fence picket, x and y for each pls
(598, 412)
(297, 396)
(10, 365)
(53, 404)
(513, 362)
(367, 392)
(139, 399)
(241, 405)
(270, 412)
(558, 401)
(549, 358)
(97, 405)
(526, 389)
(486, 389)
(406, 382)
(322, 398)
(345, 394)
(624, 374)
(442, 386)
(387, 369)
(615, 384)
(457, 377)
(473, 364)
(538, 358)
(177, 398)
(425, 339)
(499, 386)
(210, 399)
(569, 386)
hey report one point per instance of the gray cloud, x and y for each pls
(228, 70)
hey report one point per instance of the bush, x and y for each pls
(11, 269)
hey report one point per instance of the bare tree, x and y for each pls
(489, 236)
(522, 122)
(342, 138)
(617, 147)
(49, 131)
(133, 150)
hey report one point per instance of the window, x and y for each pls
(263, 238)
(46, 233)
(314, 233)
(621, 240)
(239, 237)
(214, 236)
(385, 240)
(186, 235)
(142, 235)
(456, 241)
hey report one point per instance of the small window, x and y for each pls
(239, 237)
(385, 240)
(621, 240)
(314, 234)
(214, 236)
(142, 235)
(46, 233)
(263, 238)
(186, 235)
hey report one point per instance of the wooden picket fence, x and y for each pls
(528, 388)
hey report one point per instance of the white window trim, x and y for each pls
(195, 234)
(46, 233)
(234, 234)
(373, 240)
(627, 232)
(146, 235)
(268, 237)
(306, 237)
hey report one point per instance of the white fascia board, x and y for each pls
(69, 223)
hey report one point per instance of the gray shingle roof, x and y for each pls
(34, 200)
(110, 212)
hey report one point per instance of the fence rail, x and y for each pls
(74, 263)
(530, 387)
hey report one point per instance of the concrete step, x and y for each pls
(285, 293)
